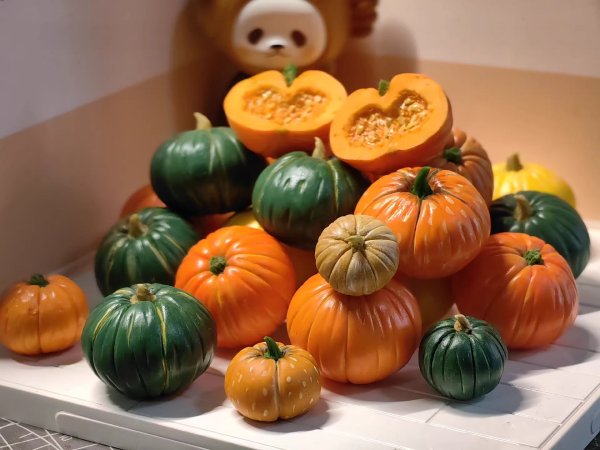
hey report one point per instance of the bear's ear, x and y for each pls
(364, 14)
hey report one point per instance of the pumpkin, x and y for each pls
(205, 171)
(440, 219)
(405, 123)
(271, 381)
(146, 246)
(302, 260)
(355, 339)
(144, 197)
(149, 340)
(514, 176)
(297, 196)
(205, 225)
(357, 255)
(468, 158)
(520, 285)
(548, 217)
(42, 315)
(245, 279)
(275, 112)
(462, 358)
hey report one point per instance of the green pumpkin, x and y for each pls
(149, 340)
(144, 247)
(547, 217)
(299, 195)
(462, 358)
(205, 171)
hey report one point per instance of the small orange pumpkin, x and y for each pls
(356, 339)
(245, 279)
(272, 381)
(274, 113)
(440, 219)
(144, 197)
(405, 123)
(522, 286)
(43, 315)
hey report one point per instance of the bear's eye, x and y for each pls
(255, 35)
(299, 38)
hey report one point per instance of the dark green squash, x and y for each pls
(462, 358)
(144, 247)
(298, 195)
(205, 171)
(547, 217)
(149, 340)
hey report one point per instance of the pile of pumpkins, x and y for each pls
(357, 220)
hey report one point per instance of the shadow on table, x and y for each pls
(57, 359)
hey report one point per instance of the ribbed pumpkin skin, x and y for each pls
(355, 339)
(552, 219)
(298, 195)
(462, 365)
(153, 257)
(205, 172)
(150, 348)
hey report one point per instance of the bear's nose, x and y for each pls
(277, 46)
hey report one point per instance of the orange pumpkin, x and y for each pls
(404, 123)
(205, 225)
(245, 279)
(274, 113)
(356, 339)
(144, 197)
(440, 219)
(303, 260)
(522, 286)
(272, 381)
(43, 315)
(467, 157)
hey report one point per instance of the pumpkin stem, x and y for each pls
(462, 324)
(513, 163)
(523, 209)
(356, 242)
(217, 265)
(136, 227)
(273, 350)
(421, 186)
(384, 86)
(290, 73)
(202, 122)
(38, 279)
(533, 257)
(142, 294)
(453, 154)
(320, 151)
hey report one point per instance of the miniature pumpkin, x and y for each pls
(271, 381)
(245, 279)
(205, 171)
(462, 358)
(520, 285)
(42, 315)
(514, 176)
(548, 217)
(405, 123)
(355, 339)
(302, 260)
(273, 113)
(357, 255)
(146, 246)
(144, 197)
(440, 219)
(149, 340)
(468, 158)
(297, 196)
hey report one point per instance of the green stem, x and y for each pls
(384, 86)
(217, 265)
(202, 122)
(142, 294)
(38, 279)
(523, 209)
(320, 151)
(453, 154)
(273, 350)
(533, 257)
(135, 226)
(290, 73)
(513, 163)
(462, 324)
(421, 186)
(356, 242)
